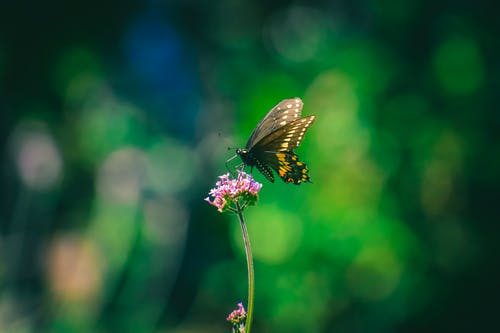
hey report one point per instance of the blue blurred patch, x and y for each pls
(165, 70)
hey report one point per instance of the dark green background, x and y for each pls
(115, 121)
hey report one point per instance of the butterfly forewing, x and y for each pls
(287, 137)
(286, 111)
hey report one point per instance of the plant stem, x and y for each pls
(248, 252)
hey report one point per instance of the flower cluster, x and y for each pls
(241, 192)
(237, 319)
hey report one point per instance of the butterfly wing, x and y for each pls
(286, 111)
(286, 164)
(285, 138)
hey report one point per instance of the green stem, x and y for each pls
(248, 252)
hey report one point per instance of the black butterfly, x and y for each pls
(272, 143)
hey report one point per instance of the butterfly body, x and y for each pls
(272, 143)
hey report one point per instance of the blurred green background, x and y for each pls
(115, 121)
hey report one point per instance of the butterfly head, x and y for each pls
(247, 157)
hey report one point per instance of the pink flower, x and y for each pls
(237, 317)
(241, 192)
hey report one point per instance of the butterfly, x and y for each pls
(271, 144)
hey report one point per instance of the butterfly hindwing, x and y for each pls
(288, 166)
(286, 111)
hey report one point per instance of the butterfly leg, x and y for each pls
(229, 160)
